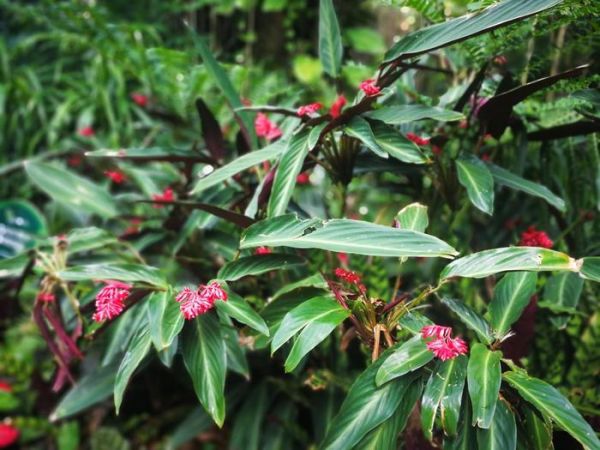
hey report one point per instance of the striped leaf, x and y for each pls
(360, 129)
(343, 235)
(240, 164)
(551, 403)
(511, 296)
(483, 378)
(561, 293)
(399, 114)
(136, 273)
(538, 430)
(502, 433)
(237, 308)
(396, 144)
(444, 391)
(204, 355)
(456, 30)
(477, 180)
(471, 319)
(413, 217)
(258, 264)
(164, 319)
(510, 180)
(290, 165)
(590, 268)
(507, 259)
(404, 358)
(330, 40)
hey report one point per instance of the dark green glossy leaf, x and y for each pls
(471, 319)
(330, 40)
(149, 154)
(483, 378)
(461, 28)
(360, 129)
(13, 267)
(538, 431)
(404, 358)
(343, 235)
(135, 273)
(165, 319)
(258, 264)
(511, 296)
(489, 262)
(396, 144)
(590, 268)
(237, 308)
(249, 419)
(502, 433)
(399, 114)
(554, 405)
(204, 355)
(20, 225)
(474, 175)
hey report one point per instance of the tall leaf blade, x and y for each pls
(343, 235)
(508, 259)
(237, 308)
(136, 273)
(511, 296)
(477, 180)
(399, 114)
(590, 268)
(404, 358)
(470, 318)
(461, 28)
(258, 264)
(136, 352)
(510, 180)
(204, 355)
(290, 165)
(483, 378)
(360, 129)
(164, 319)
(396, 144)
(502, 433)
(554, 405)
(330, 40)
(562, 292)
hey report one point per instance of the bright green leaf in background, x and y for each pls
(483, 378)
(413, 217)
(477, 180)
(330, 40)
(511, 295)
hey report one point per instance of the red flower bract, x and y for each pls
(338, 105)
(417, 139)
(110, 300)
(307, 110)
(347, 275)
(115, 176)
(265, 128)
(532, 237)
(5, 387)
(303, 178)
(46, 297)
(443, 345)
(262, 251)
(166, 197)
(86, 131)
(369, 87)
(8, 435)
(197, 302)
(139, 99)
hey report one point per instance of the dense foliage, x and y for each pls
(286, 224)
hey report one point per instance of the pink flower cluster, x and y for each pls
(443, 345)
(166, 197)
(338, 105)
(369, 87)
(46, 297)
(533, 237)
(196, 302)
(9, 435)
(116, 176)
(265, 128)
(307, 110)
(262, 251)
(347, 275)
(139, 99)
(110, 301)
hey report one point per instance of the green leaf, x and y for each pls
(511, 296)
(562, 291)
(13, 267)
(148, 154)
(237, 308)
(315, 134)
(360, 129)
(65, 187)
(89, 390)
(396, 144)
(315, 280)
(258, 264)
(89, 238)
(330, 41)
(343, 235)
(590, 268)
(385, 435)
(193, 424)
(365, 407)
(538, 431)
(399, 114)
(317, 310)
(249, 419)
(404, 358)
(483, 378)
(288, 169)
(444, 390)
(164, 319)
(136, 352)
(502, 433)
(554, 405)
(466, 437)
(240, 164)
(414, 322)
(455, 30)
(471, 319)
(413, 217)
(510, 180)
(489, 262)
(20, 225)
(204, 355)
(220, 76)
(236, 355)
(474, 175)
(136, 273)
